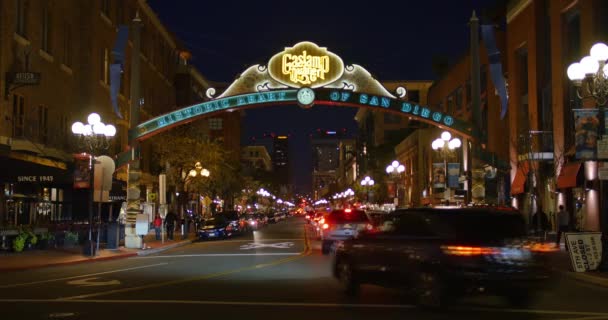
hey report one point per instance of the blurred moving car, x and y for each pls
(254, 221)
(442, 254)
(341, 225)
(214, 228)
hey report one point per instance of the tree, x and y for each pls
(179, 150)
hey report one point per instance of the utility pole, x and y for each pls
(132, 240)
(475, 104)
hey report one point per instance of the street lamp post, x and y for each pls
(445, 146)
(590, 77)
(394, 170)
(367, 182)
(94, 137)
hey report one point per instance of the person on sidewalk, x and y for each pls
(563, 219)
(158, 223)
(170, 224)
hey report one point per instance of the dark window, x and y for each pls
(413, 96)
(43, 117)
(21, 17)
(483, 79)
(46, 39)
(18, 115)
(472, 226)
(344, 216)
(571, 38)
(67, 45)
(450, 104)
(105, 66)
(390, 118)
(105, 8)
(411, 225)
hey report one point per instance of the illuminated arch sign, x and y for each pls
(289, 96)
(305, 65)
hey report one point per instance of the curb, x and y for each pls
(147, 252)
(85, 260)
(586, 278)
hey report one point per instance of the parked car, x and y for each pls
(214, 228)
(442, 254)
(236, 224)
(341, 225)
(253, 221)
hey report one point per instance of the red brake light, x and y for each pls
(347, 210)
(325, 226)
(468, 251)
(543, 247)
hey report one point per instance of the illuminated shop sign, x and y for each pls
(305, 65)
(188, 113)
(389, 103)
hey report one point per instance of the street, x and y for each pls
(277, 272)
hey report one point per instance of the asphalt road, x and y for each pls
(274, 273)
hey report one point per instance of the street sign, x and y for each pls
(23, 78)
(126, 157)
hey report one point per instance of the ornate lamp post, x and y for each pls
(94, 137)
(590, 77)
(367, 182)
(394, 170)
(445, 146)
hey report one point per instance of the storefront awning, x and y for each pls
(26, 172)
(567, 177)
(517, 186)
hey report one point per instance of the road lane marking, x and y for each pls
(586, 315)
(87, 282)
(278, 245)
(81, 276)
(221, 255)
(301, 255)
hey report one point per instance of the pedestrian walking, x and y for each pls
(158, 223)
(170, 224)
(563, 220)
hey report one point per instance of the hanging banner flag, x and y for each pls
(586, 125)
(602, 145)
(453, 174)
(438, 175)
(487, 34)
(116, 68)
(82, 173)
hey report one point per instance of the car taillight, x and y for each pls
(468, 251)
(325, 226)
(347, 210)
(369, 227)
(543, 247)
(307, 217)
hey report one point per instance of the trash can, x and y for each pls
(113, 240)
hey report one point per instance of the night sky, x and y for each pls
(393, 40)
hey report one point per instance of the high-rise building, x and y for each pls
(280, 162)
(330, 149)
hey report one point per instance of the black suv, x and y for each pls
(440, 254)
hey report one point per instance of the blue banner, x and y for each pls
(120, 44)
(586, 125)
(115, 72)
(487, 34)
(453, 174)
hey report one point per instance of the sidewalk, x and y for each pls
(34, 259)
(560, 262)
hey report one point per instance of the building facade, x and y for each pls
(69, 44)
(543, 39)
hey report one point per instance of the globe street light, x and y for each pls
(94, 137)
(367, 182)
(590, 77)
(394, 170)
(445, 146)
